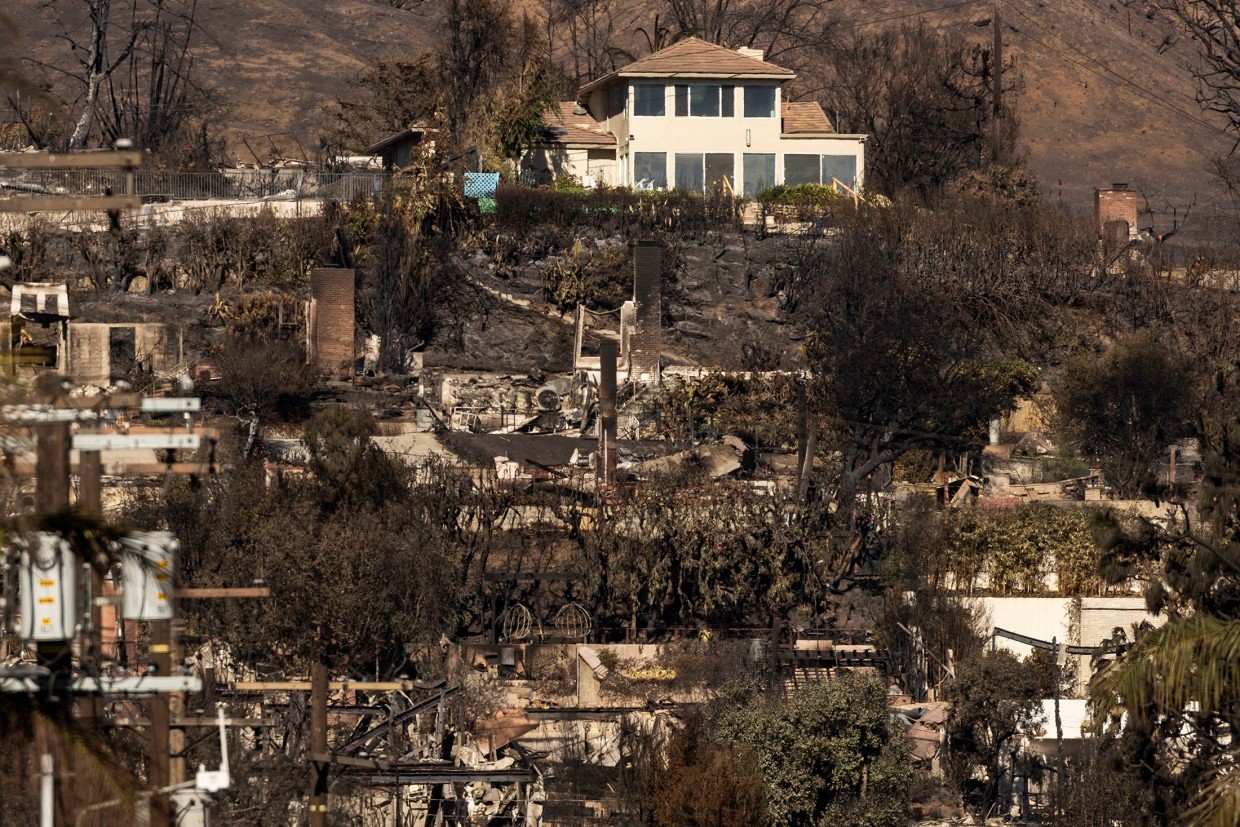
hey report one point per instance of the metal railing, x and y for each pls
(226, 185)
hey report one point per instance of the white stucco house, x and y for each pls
(690, 116)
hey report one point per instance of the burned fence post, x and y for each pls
(646, 341)
(607, 412)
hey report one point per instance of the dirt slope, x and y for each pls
(278, 64)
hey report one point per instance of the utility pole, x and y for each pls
(90, 502)
(161, 721)
(317, 803)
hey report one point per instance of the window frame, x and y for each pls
(774, 101)
(661, 97)
(637, 157)
(724, 100)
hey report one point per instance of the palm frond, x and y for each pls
(1189, 661)
(1217, 803)
(1189, 667)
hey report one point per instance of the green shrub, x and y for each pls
(569, 183)
(801, 195)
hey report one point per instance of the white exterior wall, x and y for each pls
(549, 163)
(1044, 618)
(1085, 623)
(737, 135)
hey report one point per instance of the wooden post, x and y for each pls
(51, 495)
(160, 774)
(176, 709)
(52, 468)
(318, 744)
(90, 502)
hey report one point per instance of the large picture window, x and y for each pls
(802, 169)
(759, 101)
(840, 167)
(699, 172)
(650, 170)
(705, 100)
(689, 173)
(759, 171)
(649, 100)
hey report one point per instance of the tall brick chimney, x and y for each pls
(607, 412)
(647, 340)
(1117, 204)
(331, 320)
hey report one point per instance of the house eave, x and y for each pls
(584, 92)
(844, 136)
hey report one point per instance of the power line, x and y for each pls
(1118, 79)
(906, 15)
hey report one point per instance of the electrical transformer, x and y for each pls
(47, 592)
(148, 559)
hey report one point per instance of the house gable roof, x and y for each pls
(565, 128)
(693, 57)
(804, 118)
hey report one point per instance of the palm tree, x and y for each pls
(1188, 670)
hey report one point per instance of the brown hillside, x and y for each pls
(278, 64)
(1091, 68)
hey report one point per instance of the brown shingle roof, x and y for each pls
(565, 127)
(804, 117)
(696, 58)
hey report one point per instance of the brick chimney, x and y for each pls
(330, 330)
(646, 341)
(1117, 204)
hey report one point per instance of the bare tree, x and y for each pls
(96, 67)
(925, 99)
(781, 28)
(128, 73)
(1215, 25)
(593, 50)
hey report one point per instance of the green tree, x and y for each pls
(1178, 684)
(359, 562)
(829, 753)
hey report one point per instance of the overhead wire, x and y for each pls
(1119, 80)
(907, 15)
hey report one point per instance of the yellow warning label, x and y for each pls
(47, 600)
(46, 583)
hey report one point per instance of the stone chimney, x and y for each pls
(646, 340)
(1113, 206)
(756, 54)
(330, 328)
